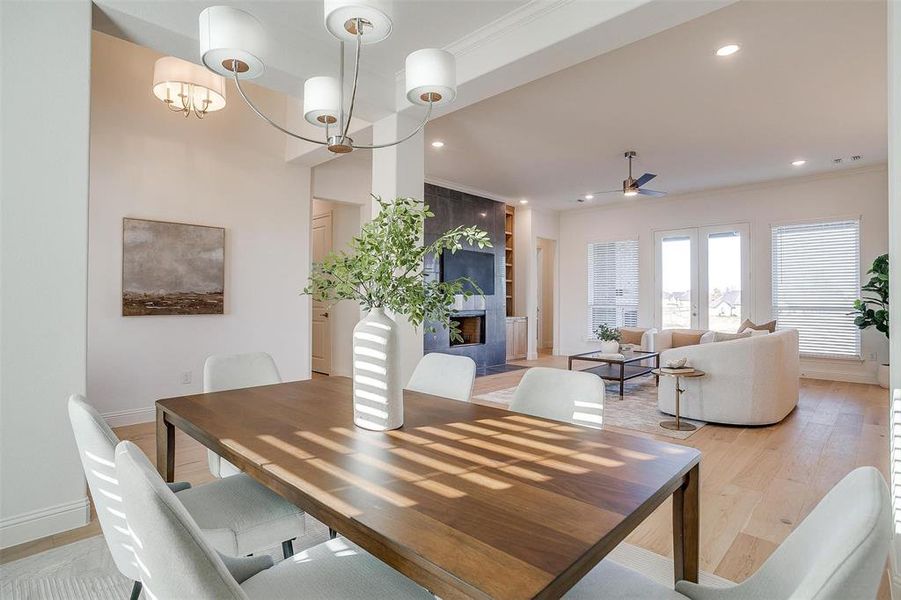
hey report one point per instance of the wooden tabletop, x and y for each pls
(467, 500)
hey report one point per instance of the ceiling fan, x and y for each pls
(631, 187)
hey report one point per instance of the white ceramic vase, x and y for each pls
(610, 347)
(882, 376)
(378, 389)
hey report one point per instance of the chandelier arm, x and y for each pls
(267, 119)
(353, 92)
(400, 141)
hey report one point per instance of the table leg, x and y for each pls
(570, 363)
(686, 522)
(657, 377)
(165, 446)
(622, 379)
(678, 401)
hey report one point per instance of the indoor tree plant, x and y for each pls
(610, 338)
(383, 271)
(872, 311)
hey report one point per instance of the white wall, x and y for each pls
(851, 193)
(227, 171)
(43, 262)
(529, 225)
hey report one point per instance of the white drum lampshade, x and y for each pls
(321, 100)
(431, 74)
(174, 77)
(228, 34)
(339, 15)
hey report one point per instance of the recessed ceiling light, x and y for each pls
(589, 197)
(523, 201)
(728, 50)
(630, 193)
(799, 163)
(437, 144)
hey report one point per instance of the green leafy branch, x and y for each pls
(872, 310)
(383, 267)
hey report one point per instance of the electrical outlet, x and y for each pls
(187, 377)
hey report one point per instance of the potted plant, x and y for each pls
(610, 337)
(383, 271)
(872, 311)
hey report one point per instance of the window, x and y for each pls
(612, 284)
(816, 278)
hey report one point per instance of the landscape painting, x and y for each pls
(172, 268)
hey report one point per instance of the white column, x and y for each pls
(894, 198)
(44, 116)
(399, 171)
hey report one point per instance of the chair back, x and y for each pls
(561, 395)
(97, 448)
(444, 375)
(234, 371)
(838, 551)
(223, 372)
(175, 560)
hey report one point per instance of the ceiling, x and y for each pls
(300, 47)
(809, 82)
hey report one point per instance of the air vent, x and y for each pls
(837, 161)
(856, 157)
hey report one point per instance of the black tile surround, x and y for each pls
(453, 208)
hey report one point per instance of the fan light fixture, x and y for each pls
(232, 42)
(187, 88)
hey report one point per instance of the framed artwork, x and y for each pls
(172, 268)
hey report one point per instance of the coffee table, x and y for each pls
(619, 367)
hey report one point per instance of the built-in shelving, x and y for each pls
(509, 259)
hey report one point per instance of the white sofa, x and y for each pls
(749, 381)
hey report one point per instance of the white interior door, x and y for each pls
(703, 277)
(676, 279)
(321, 332)
(539, 320)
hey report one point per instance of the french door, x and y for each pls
(702, 277)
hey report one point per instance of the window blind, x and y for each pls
(612, 284)
(816, 278)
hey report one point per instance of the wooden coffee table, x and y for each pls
(614, 368)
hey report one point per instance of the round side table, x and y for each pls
(678, 425)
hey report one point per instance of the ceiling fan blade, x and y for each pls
(644, 179)
(651, 193)
(620, 190)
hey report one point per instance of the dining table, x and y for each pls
(468, 500)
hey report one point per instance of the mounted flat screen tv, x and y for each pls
(477, 266)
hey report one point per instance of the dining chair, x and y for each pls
(238, 515)
(445, 375)
(177, 561)
(838, 552)
(223, 372)
(561, 395)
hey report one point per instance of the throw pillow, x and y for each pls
(685, 338)
(631, 336)
(708, 337)
(749, 324)
(719, 336)
(758, 332)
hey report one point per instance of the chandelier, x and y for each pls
(187, 88)
(231, 41)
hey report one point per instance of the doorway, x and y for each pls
(546, 263)
(321, 346)
(702, 277)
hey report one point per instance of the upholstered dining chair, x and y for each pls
(561, 395)
(231, 372)
(838, 552)
(177, 561)
(445, 375)
(238, 516)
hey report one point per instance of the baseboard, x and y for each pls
(132, 416)
(833, 375)
(40, 523)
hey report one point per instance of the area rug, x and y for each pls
(84, 570)
(636, 410)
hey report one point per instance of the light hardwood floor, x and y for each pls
(757, 483)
